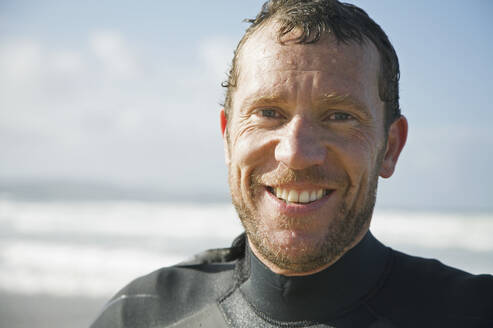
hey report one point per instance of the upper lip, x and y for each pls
(299, 186)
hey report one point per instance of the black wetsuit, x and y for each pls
(370, 286)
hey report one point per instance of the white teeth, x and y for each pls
(284, 194)
(304, 197)
(295, 196)
(313, 195)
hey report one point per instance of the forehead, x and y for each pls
(339, 67)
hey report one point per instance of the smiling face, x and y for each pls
(305, 145)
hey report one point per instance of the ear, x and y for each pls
(224, 122)
(395, 143)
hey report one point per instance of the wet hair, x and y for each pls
(316, 18)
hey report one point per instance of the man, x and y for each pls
(311, 120)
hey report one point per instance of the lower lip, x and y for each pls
(298, 208)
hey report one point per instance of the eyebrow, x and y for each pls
(274, 99)
(333, 99)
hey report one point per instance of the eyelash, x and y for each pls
(347, 117)
(273, 111)
(336, 116)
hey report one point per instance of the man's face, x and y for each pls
(304, 147)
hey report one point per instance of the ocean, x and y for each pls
(89, 250)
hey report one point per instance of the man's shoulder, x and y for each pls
(425, 273)
(427, 289)
(168, 294)
(167, 281)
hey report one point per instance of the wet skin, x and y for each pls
(307, 117)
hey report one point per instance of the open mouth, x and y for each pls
(298, 196)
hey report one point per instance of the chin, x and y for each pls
(297, 241)
(299, 248)
(305, 242)
(291, 257)
(291, 246)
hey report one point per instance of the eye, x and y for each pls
(269, 113)
(339, 116)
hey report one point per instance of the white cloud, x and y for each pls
(111, 49)
(52, 90)
(217, 54)
(66, 62)
(20, 60)
(82, 116)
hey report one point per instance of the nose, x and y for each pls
(300, 146)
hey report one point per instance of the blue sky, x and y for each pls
(128, 93)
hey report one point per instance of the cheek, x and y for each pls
(358, 152)
(254, 149)
(252, 153)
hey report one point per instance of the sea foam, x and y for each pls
(95, 248)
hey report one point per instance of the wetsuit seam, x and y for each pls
(264, 316)
(125, 297)
(224, 315)
(361, 302)
(386, 274)
(237, 279)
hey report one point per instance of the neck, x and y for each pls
(293, 273)
(319, 295)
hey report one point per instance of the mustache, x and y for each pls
(285, 175)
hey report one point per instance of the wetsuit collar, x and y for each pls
(319, 296)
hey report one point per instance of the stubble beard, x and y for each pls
(348, 225)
